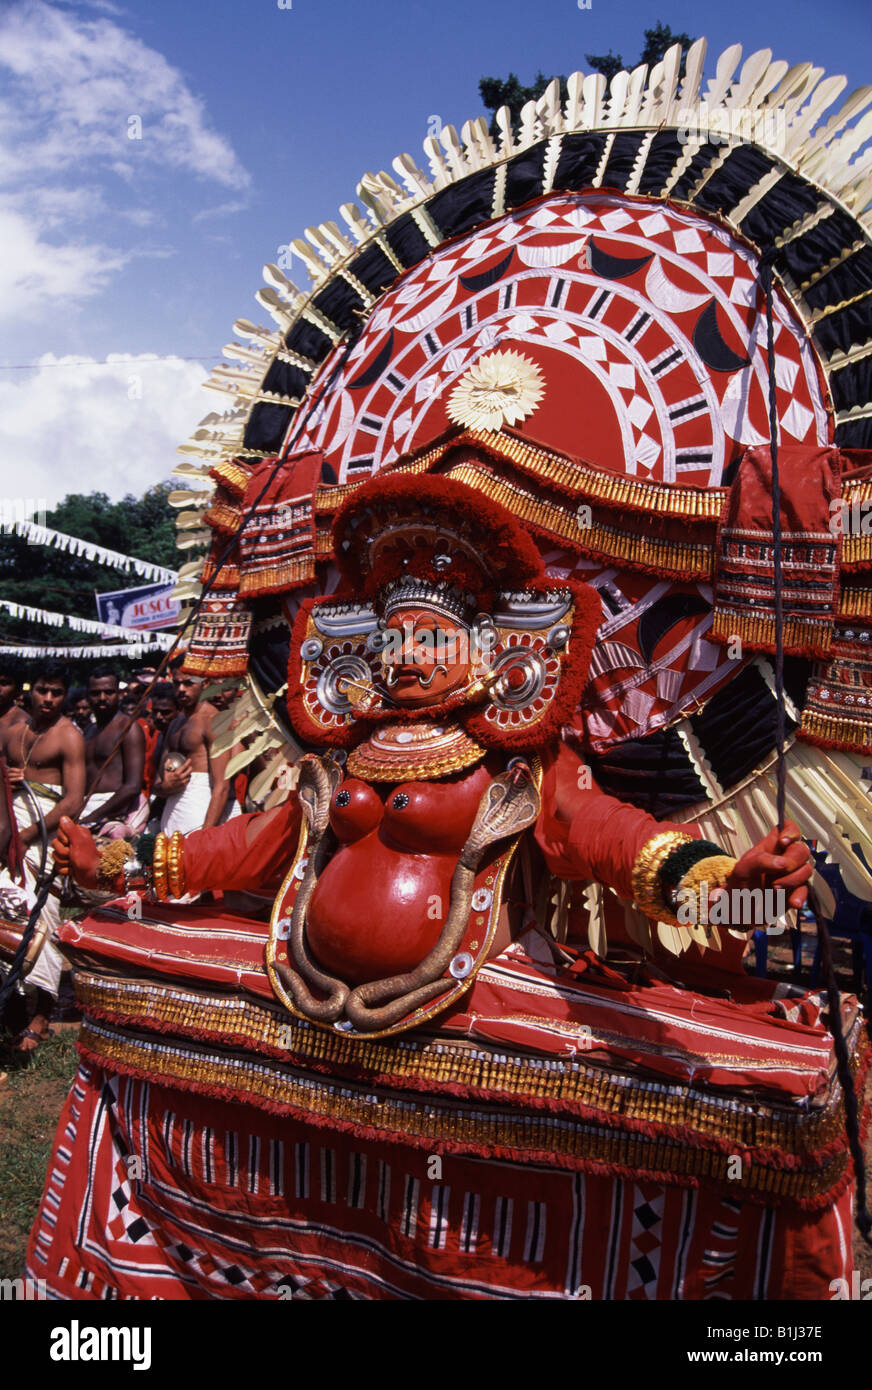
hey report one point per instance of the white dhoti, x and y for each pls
(46, 972)
(186, 810)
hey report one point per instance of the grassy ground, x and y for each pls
(32, 1098)
(30, 1102)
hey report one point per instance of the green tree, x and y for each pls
(510, 91)
(43, 577)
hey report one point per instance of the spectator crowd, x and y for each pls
(121, 757)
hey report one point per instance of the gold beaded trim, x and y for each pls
(275, 577)
(175, 866)
(856, 733)
(855, 603)
(377, 764)
(159, 867)
(615, 489)
(526, 1131)
(759, 630)
(684, 559)
(243, 1023)
(649, 861)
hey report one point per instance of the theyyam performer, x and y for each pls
(496, 550)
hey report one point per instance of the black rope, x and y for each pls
(863, 1220)
(780, 720)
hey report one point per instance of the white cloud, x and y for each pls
(76, 84)
(72, 90)
(75, 425)
(36, 276)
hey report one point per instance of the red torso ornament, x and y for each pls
(380, 903)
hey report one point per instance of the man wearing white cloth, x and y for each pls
(45, 768)
(192, 778)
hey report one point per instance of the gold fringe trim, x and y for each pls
(277, 577)
(442, 1118)
(685, 503)
(855, 603)
(232, 475)
(758, 630)
(857, 550)
(227, 577)
(855, 733)
(222, 517)
(683, 559)
(215, 665)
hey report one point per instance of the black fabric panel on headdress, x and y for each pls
(844, 327)
(266, 427)
(268, 654)
(463, 205)
(737, 727)
(704, 156)
(790, 199)
(728, 184)
(374, 270)
(852, 277)
(662, 157)
(285, 380)
(818, 245)
(407, 241)
(855, 434)
(852, 384)
(524, 175)
(622, 157)
(579, 160)
(653, 773)
(338, 301)
(308, 340)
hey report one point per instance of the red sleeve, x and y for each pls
(245, 853)
(584, 833)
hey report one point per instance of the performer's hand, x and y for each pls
(76, 854)
(175, 779)
(15, 775)
(780, 861)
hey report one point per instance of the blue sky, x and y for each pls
(256, 122)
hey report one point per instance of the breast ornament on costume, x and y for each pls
(394, 897)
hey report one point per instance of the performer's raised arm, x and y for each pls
(585, 833)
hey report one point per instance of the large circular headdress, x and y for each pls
(582, 301)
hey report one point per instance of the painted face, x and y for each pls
(426, 657)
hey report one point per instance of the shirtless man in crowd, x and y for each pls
(196, 793)
(10, 687)
(114, 793)
(45, 758)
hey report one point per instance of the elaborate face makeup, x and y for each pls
(426, 656)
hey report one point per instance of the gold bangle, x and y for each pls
(175, 868)
(159, 867)
(713, 872)
(647, 890)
